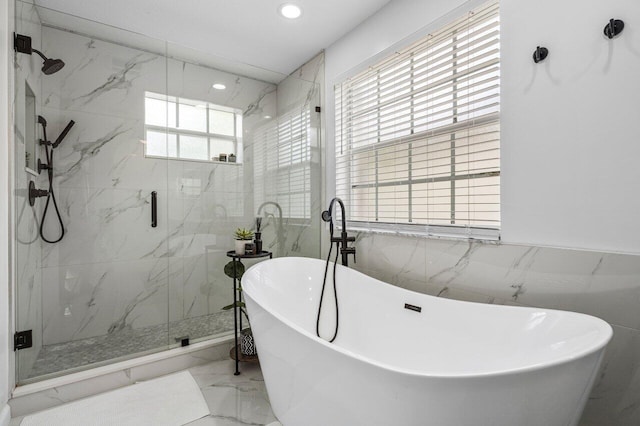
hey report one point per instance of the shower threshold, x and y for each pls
(62, 357)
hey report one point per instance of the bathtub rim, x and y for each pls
(604, 330)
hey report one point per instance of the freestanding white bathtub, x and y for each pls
(454, 363)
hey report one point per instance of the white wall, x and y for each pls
(570, 127)
(5, 137)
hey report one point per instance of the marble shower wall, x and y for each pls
(28, 243)
(606, 285)
(112, 270)
(301, 91)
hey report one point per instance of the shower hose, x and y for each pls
(51, 196)
(324, 283)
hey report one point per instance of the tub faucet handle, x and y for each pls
(350, 250)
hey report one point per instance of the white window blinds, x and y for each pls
(282, 164)
(418, 134)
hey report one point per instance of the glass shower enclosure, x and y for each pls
(148, 185)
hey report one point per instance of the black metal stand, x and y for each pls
(237, 296)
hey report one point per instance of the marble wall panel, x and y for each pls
(303, 86)
(101, 77)
(88, 300)
(606, 285)
(104, 224)
(253, 97)
(103, 151)
(400, 259)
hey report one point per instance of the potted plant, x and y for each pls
(247, 345)
(242, 235)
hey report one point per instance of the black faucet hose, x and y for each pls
(324, 283)
(51, 197)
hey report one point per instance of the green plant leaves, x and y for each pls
(238, 304)
(243, 234)
(228, 269)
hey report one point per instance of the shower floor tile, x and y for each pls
(126, 342)
(232, 400)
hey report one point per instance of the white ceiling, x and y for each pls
(245, 32)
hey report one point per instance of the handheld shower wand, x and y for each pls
(63, 134)
(50, 194)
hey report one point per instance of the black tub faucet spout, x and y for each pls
(344, 240)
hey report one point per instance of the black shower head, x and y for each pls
(50, 66)
(22, 44)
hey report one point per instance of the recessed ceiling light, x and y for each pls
(219, 86)
(290, 11)
(267, 116)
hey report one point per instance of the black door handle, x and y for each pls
(154, 209)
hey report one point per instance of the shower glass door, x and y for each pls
(154, 125)
(101, 293)
(247, 148)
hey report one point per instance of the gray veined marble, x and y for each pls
(232, 400)
(121, 322)
(86, 151)
(256, 107)
(116, 81)
(606, 285)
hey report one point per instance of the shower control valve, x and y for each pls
(35, 193)
(42, 166)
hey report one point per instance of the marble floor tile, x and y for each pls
(233, 400)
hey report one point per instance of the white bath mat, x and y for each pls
(172, 400)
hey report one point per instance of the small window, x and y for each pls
(192, 130)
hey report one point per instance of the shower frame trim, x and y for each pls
(71, 378)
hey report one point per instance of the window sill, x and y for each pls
(456, 233)
(190, 160)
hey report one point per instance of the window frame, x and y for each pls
(236, 139)
(347, 153)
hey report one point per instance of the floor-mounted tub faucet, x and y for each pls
(279, 230)
(344, 239)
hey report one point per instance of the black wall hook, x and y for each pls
(540, 54)
(613, 28)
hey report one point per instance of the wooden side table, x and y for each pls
(237, 296)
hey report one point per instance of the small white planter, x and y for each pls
(240, 246)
